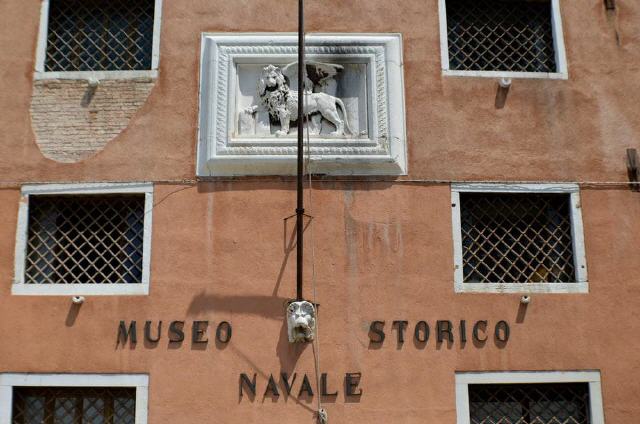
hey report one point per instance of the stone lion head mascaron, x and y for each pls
(301, 321)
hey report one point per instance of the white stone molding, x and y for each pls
(10, 380)
(464, 379)
(41, 53)
(562, 72)
(20, 288)
(581, 285)
(228, 64)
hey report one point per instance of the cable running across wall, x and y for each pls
(13, 184)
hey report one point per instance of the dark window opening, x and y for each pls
(92, 239)
(516, 238)
(100, 35)
(73, 405)
(500, 35)
(557, 403)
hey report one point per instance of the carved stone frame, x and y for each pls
(382, 152)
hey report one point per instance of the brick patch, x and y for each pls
(73, 121)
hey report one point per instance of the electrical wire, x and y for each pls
(320, 179)
(322, 415)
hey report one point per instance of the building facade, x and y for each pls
(471, 240)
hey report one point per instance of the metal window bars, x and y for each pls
(73, 405)
(500, 35)
(553, 403)
(516, 238)
(100, 35)
(89, 239)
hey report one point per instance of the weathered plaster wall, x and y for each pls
(219, 254)
(383, 250)
(560, 130)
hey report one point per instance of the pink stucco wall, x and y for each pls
(383, 250)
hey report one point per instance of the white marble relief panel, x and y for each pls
(353, 97)
(344, 81)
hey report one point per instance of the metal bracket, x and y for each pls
(632, 169)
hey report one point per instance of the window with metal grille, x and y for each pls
(501, 35)
(553, 403)
(85, 239)
(74, 405)
(99, 35)
(516, 238)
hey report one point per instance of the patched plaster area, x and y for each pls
(73, 120)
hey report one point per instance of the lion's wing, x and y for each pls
(317, 71)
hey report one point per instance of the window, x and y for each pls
(529, 397)
(73, 398)
(86, 239)
(518, 238)
(502, 38)
(98, 36)
(86, 405)
(543, 403)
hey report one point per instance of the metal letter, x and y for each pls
(227, 332)
(402, 325)
(351, 382)
(285, 381)
(476, 328)
(147, 332)
(123, 334)
(175, 329)
(250, 384)
(305, 387)
(444, 327)
(197, 332)
(505, 329)
(463, 331)
(323, 386)
(376, 328)
(424, 327)
(271, 387)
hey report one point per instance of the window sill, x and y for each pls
(507, 74)
(97, 75)
(80, 289)
(582, 287)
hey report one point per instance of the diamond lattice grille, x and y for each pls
(74, 405)
(565, 403)
(85, 239)
(100, 35)
(500, 35)
(516, 238)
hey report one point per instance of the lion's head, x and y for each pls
(301, 321)
(273, 90)
(271, 79)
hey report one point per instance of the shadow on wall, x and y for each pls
(72, 315)
(271, 307)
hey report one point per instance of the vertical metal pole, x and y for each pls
(300, 206)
